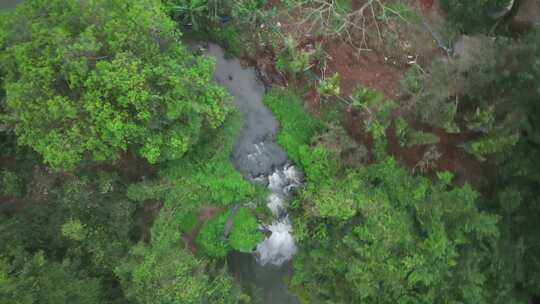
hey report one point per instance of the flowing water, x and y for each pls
(260, 160)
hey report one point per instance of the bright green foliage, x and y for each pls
(404, 243)
(199, 14)
(329, 86)
(364, 97)
(164, 272)
(293, 59)
(297, 126)
(91, 80)
(244, 234)
(377, 110)
(489, 145)
(74, 230)
(378, 234)
(169, 275)
(188, 221)
(204, 176)
(472, 15)
(211, 239)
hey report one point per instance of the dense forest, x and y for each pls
(404, 166)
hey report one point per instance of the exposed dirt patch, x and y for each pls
(205, 213)
(367, 68)
(373, 69)
(144, 217)
(452, 158)
(426, 4)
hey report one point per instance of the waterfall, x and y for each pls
(261, 161)
(279, 247)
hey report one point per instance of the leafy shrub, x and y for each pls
(204, 176)
(491, 144)
(297, 126)
(74, 230)
(10, 184)
(482, 120)
(409, 137)
(329, 86)
(211, 239)
(166, 274)
(366, 97)
(105, 84)
(292, 59)
(244, 234)
(187, 221)
(378, 233)
(377, 110)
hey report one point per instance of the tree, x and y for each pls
(409, 239)
(33, 279)
(89, 80)
(378, 234)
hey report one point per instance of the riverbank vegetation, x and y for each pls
(415, 124)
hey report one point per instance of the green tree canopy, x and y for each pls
(91, 79)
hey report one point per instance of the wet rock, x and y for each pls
(268, 73)
(230, 220)
(527, 15)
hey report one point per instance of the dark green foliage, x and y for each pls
(78, 229)
(166, 274)
(472, 16)
(34, 279)
(98, 220)
(228, 23)
(204, 176)
(377, 234)
(497, 90)
(10, 184)
(409, 137)
(85, 82)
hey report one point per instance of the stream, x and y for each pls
(261, 161)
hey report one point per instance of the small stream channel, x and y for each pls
(261, 161)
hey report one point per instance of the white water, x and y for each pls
(259, 159)
(279, 247)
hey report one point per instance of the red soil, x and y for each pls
(366, 69)
(205, 213)
(426, 4)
